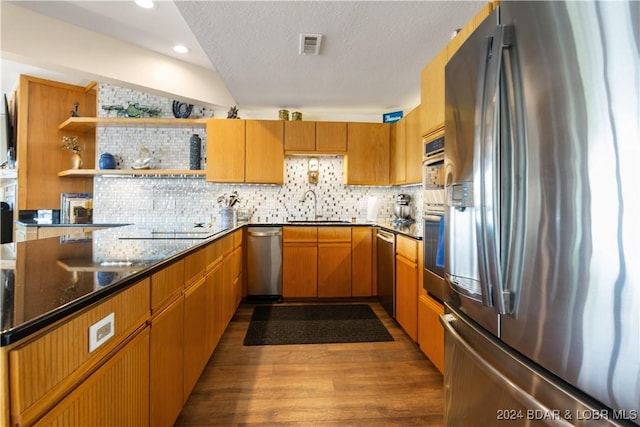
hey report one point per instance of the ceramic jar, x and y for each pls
(195, 148)
(107, 161)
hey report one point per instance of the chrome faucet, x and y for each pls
(315, 202)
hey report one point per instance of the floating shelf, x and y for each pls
(131, 172)
(84, 124)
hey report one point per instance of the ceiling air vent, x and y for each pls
(310, 44)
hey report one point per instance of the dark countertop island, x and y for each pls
(55, 277)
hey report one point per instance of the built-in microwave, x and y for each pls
(433, 174)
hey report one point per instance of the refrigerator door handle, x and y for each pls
(505, 383)
(488, 224)
(480, 123)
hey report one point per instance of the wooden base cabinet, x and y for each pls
(300, 262)
(166, 360)
(362, 262)
(407, 285)
(334, 262)
(116, 394)
(431, 337)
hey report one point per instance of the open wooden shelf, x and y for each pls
(84, 124)
(131, 172)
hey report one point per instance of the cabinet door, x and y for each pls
(195, 330)
(413, 147)
(331, 137)
(116, 394)
(432, 93)
(299, 136)
(368, 149)
(225, 150)
(334, 270)
(264, 152)
(407, 296)
(361, 262)
(397, 158)
(431, 332)
(167, 361)
(300, 270)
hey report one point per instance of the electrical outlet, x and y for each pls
(101, 331)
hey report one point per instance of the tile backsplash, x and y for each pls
(183, 201)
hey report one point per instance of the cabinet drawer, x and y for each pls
(195, 266)
(300, 234)
(166, 285)
(237, 238)
(49, 365)
(407, 247)
(334, 234)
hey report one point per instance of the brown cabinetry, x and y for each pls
(264, 152)
(362, 262)
(61, 358)
(249, 151)
(398, 152)
(116, 394)
(432, 93)
(42, 106)
(413, 151)
(406, 149)
(334, 262)
(166, 360)
(431, 332)
(225, 150)
(368, 149)
(432, 76)
(315, 137)
(299, 262)
(196, 352)
(407, 285)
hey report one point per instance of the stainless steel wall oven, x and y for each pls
(433, 214)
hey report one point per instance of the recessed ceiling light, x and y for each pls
(180, 48)
(147, 4)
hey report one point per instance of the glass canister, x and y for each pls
(283, 114)
(296, 115)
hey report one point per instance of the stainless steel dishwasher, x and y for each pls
(264, 263)
(386, 265)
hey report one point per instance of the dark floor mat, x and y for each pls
(315, 324)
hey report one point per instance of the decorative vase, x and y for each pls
(76, 161)
(195, 146)
(107, 161)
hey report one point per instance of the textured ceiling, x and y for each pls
(370, 60)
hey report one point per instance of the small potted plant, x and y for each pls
(71, 143)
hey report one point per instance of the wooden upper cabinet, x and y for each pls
(331, 137)
(397, 156)
(368, 149)
(299, 136)
(465, 32)
(225, 150)
(315, 137)
(264, 151)
(413, 150)
(432, 93)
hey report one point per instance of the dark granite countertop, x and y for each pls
(59, 276)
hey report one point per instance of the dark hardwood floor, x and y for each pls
(360, 384)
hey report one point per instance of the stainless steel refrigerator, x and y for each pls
(542, 222)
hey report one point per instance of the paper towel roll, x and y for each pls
(372, 209)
